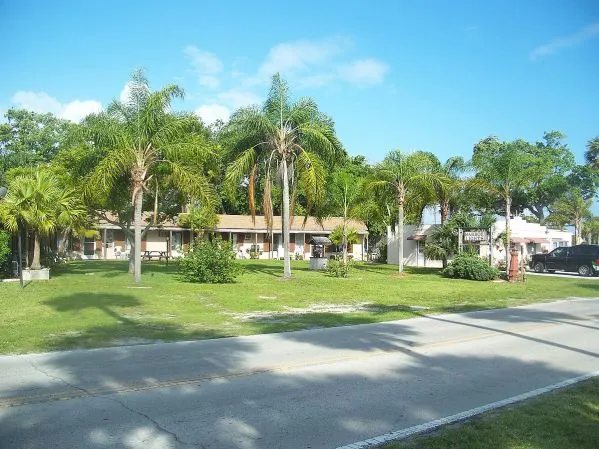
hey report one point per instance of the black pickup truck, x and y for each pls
(583, 259)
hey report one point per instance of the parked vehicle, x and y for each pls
(583, 259)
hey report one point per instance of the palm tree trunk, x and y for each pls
(400, 233)
(344, 243)
(444, 212)
(508, 207)
(35, 263)
(285, 218)
(137, 239)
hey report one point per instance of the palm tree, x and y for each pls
(143, 140)
(284, 140)
(38, 202)
(346, 196)
(502, 168)
(572, 209)
(446, 193)
(405, 177)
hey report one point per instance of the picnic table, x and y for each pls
(149, 255)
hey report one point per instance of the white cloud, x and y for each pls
(364, 72)
(76, 110)
(210, 113)
(206, 65)
(238, 98)
(125, 93)
(295, 56)
(561, 43)
(42, 102)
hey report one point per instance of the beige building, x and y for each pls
(245, 234)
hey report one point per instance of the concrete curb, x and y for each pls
(433, 425)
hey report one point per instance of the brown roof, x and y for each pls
(232, 223)
(245, 222)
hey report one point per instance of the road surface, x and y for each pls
(320, 388)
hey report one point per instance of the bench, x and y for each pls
(149, 255)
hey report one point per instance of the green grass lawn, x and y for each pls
(94, 303)
(568, 419)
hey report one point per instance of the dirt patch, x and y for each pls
(289, 312)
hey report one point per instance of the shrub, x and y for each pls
(5, 251)
(210, 262)
(338, 269)
(468, 266)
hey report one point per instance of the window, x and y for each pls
(559, 252)
(89, 246)
(247, 237)
(177, 240)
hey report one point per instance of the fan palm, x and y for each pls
(142, 139)
(38, 202)
(405, 177)
(283, 141)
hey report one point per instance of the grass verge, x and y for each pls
(94, 303)
(568, 419)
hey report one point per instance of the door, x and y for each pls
(557, 259)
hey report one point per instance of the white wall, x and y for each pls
(412, 257)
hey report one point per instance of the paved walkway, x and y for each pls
(319, 389)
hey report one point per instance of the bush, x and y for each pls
(210, 263)
(338, 269)
(468, 266)
(5, 251)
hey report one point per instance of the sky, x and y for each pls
(428, 75)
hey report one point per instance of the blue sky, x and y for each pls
(430, 75)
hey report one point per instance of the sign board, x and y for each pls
(476, 235)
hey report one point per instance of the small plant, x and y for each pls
(299, 256)
(210, 262)
(468, 266)
(337, 268)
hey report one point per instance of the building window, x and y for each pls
(177, 241)
(89, 246)
(247, 237)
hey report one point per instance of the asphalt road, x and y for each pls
(311, 389)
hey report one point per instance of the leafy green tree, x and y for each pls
(591, 154)
(28, 138)
(143, 143)
(286, 141)
(550, 161)
(503, 167)
(41, 204)
(404, 177)
(590, 230)
(571, 209)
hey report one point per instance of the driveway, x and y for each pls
(321, 388)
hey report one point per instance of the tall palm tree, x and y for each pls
(346, 199)
(405, 177)
(143, 139)
(446, 193)
(502, 169)
(38, 202)
(286, 141)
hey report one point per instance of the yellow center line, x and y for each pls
(138, 387)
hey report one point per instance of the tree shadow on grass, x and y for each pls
(127, 327)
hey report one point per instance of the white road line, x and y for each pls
(432, 425)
